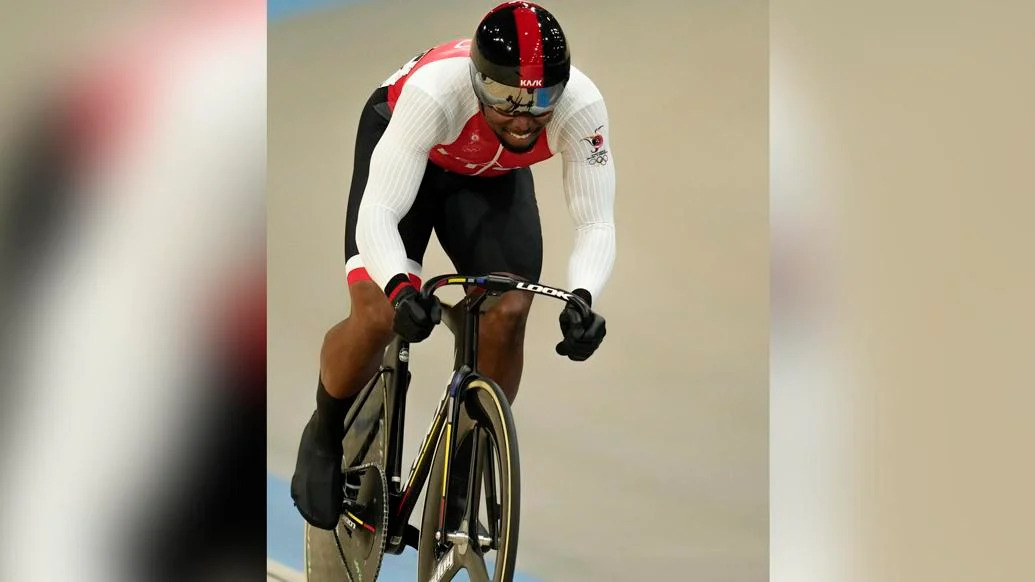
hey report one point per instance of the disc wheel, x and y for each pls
(354, 550)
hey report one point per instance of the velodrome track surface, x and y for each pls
(649, 462)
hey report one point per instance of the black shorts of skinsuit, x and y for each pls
(484, 225)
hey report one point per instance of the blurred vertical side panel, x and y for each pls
(902, 142)
(132, 294)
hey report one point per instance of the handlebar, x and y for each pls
(500, 284)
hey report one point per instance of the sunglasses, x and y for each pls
(514, 101)
(509, 111)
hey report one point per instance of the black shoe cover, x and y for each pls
(316, 486)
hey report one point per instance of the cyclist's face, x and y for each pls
(517, 132)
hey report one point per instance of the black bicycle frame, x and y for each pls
(402, 501)
(463, 319)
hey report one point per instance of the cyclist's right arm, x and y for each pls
(419, 122)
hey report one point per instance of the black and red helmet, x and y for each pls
(520, 60)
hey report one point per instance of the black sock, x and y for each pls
(330, 414)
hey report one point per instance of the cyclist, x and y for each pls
(445, 144)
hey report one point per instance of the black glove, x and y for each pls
(582, 336)
(415, 315)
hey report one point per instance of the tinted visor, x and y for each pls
(515, 100)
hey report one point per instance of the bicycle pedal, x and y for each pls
(351, 491)
(350, 503)
(351, 486)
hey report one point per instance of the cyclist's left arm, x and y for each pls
(589, 189)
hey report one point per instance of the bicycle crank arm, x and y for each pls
(410, 537)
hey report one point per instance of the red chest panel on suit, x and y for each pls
(477, 150)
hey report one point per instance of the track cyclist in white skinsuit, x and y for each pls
(445, 145)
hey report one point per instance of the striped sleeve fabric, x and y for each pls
(396, 170)
(589, 188)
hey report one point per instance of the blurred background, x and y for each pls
(132, 290)
(649, 461)
(902, 320)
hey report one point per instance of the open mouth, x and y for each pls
(520, 136)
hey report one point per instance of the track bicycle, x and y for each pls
(468, 462)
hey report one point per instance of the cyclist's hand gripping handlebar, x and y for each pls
(582, 329)
(416, 314)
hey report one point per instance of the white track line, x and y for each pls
(277, 572)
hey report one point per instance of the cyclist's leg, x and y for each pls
(492, 225)
(352, 348)
(351, 351)
(501, 343)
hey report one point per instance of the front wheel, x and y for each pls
(481, 507)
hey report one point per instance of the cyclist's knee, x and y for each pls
(505, 321)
